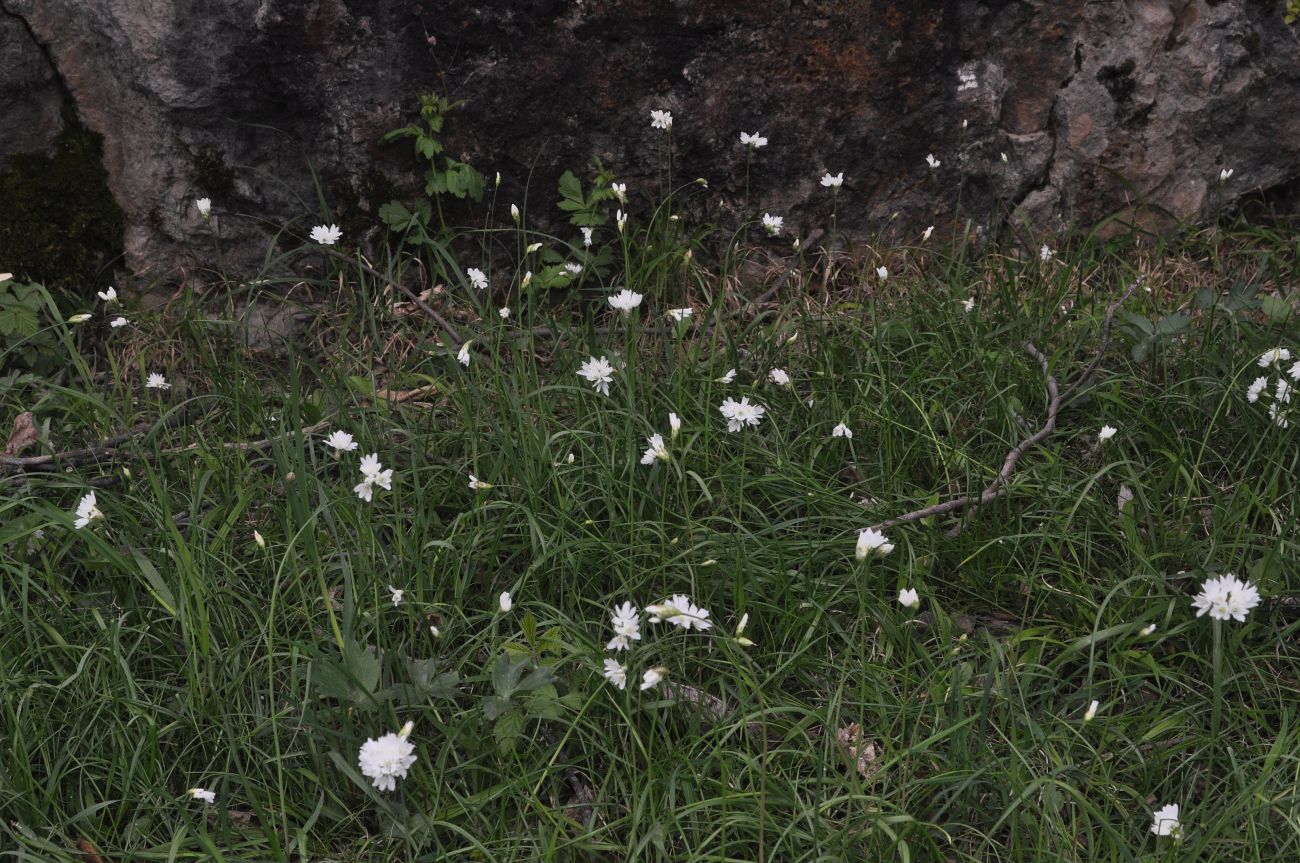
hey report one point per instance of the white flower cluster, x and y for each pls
(626, 622)
(1278, 388)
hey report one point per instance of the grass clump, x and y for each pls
(256, 613)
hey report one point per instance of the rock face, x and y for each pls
(1131, 106)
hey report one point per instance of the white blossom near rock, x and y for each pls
(772, 224)
(753, 141)
(932, 161)
(326, 235)
(661, 120)
(833, 181)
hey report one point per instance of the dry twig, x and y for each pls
(1056, 399)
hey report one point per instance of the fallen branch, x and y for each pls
(1056, 399)
(410, 294)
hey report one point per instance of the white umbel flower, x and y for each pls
(680, 611)
(656, 451)
(109, 296)
(653, 677)
(627, 627)
(396, 594)
(625, 301)
(843, 431)
(1256, 387)
(1226, 598)
(741, 413)
(833, 181)
(599, 372)
(326, 235)
(772, 224)
(681, 314)
(462, 356)
(505, 602)
(779, 377)
(1165, 822)
(909, 598)
(372, 474)
(872, 542)
(477, 484)
(205, 207)
(388, 758)
(203, 794)
(753, 141)
(477, 278)
(1106, 433)
(87, 511)
(157, 382)
(1274, 357)
(674, 424)
(341, 441)
(661, 120)
(616, 673)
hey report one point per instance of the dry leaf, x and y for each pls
(860, 750)
(23, 435)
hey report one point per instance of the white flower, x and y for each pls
(1256, 387)
(1295, 372)
(621, 219)
(1003, 156)
(968, 305)
(1274, 357)
(661, 120)
(1226, 598)
(528, 277)
(326, 235)
(932, 161)
(925, 235)
(87, 511)
(504, 602)
(532, 247)
(740, 631)
(463, 356)
(80, 318)
(727, 378)
(599, 372)
(435, 631)
(118, 321)
(586, 237)
(656, 450)
(675, 424)
(620, 191)
(504, 312)
(372, 474)
(909, 598)
(1276, 416)
(625, 301)
(872, 542)
(616, 673)
(341, 441)
(387, 759)
(259, 539)
(203, 794)
(574, 269)
(1106, 433)
(477, 278)
(833, 182)
(397, 594)
(514, 212)
(680, 315)
(477, 484)
(1147, 630)
(157, 382)
(772, 224)
(205, 207)
(753, 141)
(779, 377)
(843, 431)
(680, 611)
(109, 296)
(1045, 253)
(1165, 822)
(1091, 712)
(627, 627)
(882, 272)
(653, 678)
(740, 413)
(1224, 175)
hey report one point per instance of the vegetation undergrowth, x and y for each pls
(235, 649)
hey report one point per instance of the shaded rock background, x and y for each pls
(1101, 108)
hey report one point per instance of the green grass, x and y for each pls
(162, 648)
